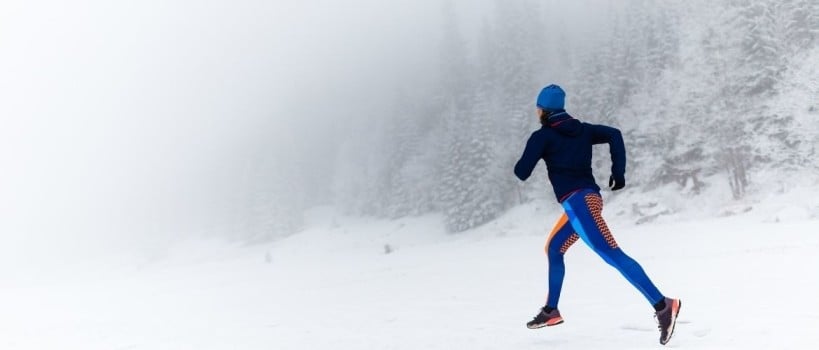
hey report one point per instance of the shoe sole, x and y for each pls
(673, 323)
(547, 324)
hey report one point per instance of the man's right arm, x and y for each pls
(531, 155)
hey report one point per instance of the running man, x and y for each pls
(565, 144)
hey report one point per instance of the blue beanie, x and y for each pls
(551, 98)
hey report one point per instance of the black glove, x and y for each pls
(617, 182)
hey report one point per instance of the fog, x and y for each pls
(133, 121)
(128, 125)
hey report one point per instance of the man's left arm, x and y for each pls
(617, 148)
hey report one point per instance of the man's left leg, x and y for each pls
(584, 211)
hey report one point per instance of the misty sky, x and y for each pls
(130, 119)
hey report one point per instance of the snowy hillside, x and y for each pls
(358, 284)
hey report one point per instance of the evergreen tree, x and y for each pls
(760, 47)
(401, 144)
(272, 207)
(458, 163)
(801, 19)
(523, 61)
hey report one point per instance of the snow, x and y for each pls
(746, 281)
(127, 143)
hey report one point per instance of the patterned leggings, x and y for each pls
(583, 220)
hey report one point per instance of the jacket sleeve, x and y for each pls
(531, 155)
(612, 136)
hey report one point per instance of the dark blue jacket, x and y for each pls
(565, 144)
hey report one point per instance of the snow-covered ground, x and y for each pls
(747, 282)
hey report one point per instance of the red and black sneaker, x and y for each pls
(667, 318)
(545, 318)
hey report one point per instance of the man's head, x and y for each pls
(551, 98)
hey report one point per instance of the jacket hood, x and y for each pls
(563, 123)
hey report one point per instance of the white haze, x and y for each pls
(121, 120)
(130, 122)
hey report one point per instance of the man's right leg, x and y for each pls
(560, 239)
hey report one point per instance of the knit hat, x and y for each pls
(551, 98)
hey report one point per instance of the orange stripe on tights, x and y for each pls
(560, 222)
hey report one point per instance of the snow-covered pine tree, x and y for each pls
(494, 184)
(523, 61)
(401, 143)
(457, 162)
(660, 39)
(801, 20)
(467, 193)
(761, 63)
(272, 208)
(648, 120)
